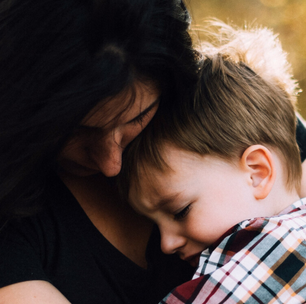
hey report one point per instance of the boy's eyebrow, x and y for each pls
(145, 111)
(167, 199)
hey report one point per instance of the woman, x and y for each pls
(79, 80)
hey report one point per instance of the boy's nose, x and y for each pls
(171, 243)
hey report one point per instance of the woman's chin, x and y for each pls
(77, 169)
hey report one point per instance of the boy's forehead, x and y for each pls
(153, 199)
(154, 186)
(153, 190)
(160, 187)
(161, 201)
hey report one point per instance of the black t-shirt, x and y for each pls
(61, 245)
(301, 139)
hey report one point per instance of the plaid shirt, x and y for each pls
(261, 260)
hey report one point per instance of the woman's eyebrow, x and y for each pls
(144, 112)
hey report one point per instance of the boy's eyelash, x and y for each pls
(183, 213)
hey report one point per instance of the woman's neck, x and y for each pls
(116, 220)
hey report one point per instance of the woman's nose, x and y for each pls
(171, 242)
(108, 155)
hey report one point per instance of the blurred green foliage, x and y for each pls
(287, 18)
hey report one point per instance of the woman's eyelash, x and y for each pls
(183, 213)
(146, 113)
(140, 118)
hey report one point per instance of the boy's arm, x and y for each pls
(271, 267)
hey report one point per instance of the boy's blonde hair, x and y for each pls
(246, 96)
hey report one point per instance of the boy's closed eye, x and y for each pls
(182, 213)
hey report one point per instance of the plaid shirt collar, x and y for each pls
(261, 260)
(298, 205)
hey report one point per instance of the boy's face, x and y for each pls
(195, 202)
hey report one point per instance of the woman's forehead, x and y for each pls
(123, 107)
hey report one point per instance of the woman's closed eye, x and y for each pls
(146, 115)
(140, 119)
(183, 213)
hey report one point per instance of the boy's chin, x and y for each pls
(194, 260)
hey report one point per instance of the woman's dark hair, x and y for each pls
(59, 58)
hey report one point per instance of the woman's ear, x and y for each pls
(258, 161)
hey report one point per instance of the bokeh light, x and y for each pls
(273, 3)
(287, 18)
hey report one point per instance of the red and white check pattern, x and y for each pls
(262, 260)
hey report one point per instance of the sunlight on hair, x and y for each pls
(258, 47)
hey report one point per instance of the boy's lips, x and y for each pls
(193, 260)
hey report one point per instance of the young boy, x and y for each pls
(220, 178)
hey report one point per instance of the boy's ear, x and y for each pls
(258, 161)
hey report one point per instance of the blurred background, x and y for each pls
(285, 17)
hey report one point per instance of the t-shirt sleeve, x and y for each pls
(20, 257)
(301, 139)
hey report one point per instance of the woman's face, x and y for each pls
(101, 138)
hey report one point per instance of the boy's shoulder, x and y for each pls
(262, 260)
(275, 236)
